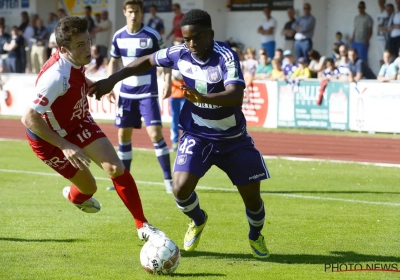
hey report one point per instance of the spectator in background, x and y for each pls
(277, 72)
(339, 38)
(264, 68)
(24, 21)
(103, 33)
(38, 52)
(155, 22)
(97, 19)
(358, 68)
(396, 62)
(88, 16)
(394, 29)
(290, 66)
(304, 27)
(241, 57)
(29, 35)
(362, 33)
(278, 54)
(288, 31)
(388, 71)
(4, 38)
(51, 22)
(250, 66)
(335, 52)
(98, 64)
(343, 63)
(386, 29)
(3, 23)
(176, 102)
(176, 24)
(331, 72)
(317, 62)
(382, 19)
(15, 49)
(52, 43)
(267, 30)
(302, 71)
(61, 13)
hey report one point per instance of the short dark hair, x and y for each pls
(196, 17)
(279, 50)
(339, 33)
(390, 5)
(314, 54)
(176, 5)
(88, 7)
(68, 27)
(153, 6)
(330, 60)
(353, 50)
(133, 2)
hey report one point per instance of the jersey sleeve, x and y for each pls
(47, 89)
(231, 70)
(114, 51)
(167, 57)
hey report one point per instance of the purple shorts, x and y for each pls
(130, 112)
(238, 158)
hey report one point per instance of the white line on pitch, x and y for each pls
(380, 164)
(221, 189)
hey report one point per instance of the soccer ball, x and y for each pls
(160, 256)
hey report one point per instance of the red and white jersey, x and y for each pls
(61, 95)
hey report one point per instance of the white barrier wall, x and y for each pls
(17, 90)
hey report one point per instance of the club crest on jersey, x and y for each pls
(143, 43)
(181, 160)
(213, 74)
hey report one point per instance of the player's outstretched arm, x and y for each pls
(104, 86)
(232, 96)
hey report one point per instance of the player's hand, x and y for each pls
(192, 94)
(76, 156)
(167, 90)
(100, 88)
(111, 97)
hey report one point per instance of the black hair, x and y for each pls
(196, 17)
(339, 33)
(153, 6)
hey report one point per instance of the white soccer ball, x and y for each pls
(160, 256)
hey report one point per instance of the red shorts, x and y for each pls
(83, 135)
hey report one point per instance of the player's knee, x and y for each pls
(114, 170)
(181, 189)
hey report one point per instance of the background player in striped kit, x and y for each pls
(139, 95)
(213, 124)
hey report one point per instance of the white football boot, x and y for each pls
(168, 185)
(148, 232)
(89, 206)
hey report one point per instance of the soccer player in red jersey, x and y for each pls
(63, 134)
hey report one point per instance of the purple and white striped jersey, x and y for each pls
(221, 69)
(131, 46)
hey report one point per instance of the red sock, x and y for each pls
(75, 195)
(127, 190)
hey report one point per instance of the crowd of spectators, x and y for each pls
(347, 62)
(25, 48)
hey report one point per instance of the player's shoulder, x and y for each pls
(55, 72)
(120, 33)
(151, 32)
(224, 51)
(178, 50)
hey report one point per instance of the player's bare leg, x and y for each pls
(162, 153)
(255, 215)
(188, 202)
(103, 154)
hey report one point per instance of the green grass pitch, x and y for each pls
(318, 213)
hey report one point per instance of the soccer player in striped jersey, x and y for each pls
(213, 124)
(138, 95)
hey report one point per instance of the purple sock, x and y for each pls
(125, 154)
(256, 222)
(162, 153)
(191, 208)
